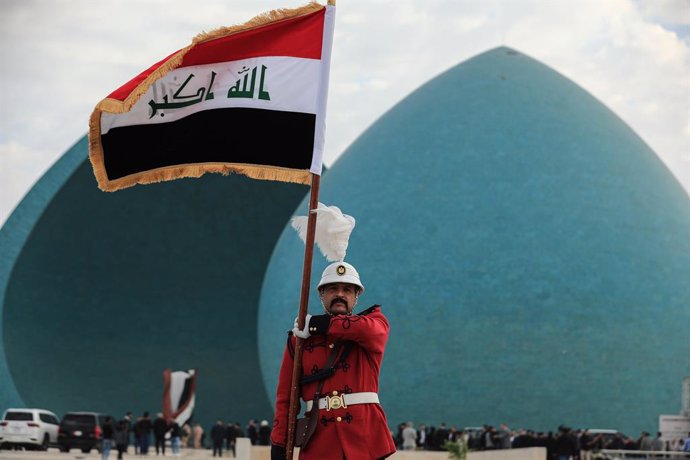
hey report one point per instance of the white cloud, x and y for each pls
(668, 11)
(638, 69)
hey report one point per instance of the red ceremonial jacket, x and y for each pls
(356, 432)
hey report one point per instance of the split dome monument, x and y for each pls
(529, 249)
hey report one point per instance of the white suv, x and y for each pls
(30, 428)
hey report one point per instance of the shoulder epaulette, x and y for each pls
(369, 310)
(290, 347)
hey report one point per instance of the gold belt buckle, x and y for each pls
(335, 402)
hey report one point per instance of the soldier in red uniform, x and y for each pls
(351, 422)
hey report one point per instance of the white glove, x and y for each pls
(304, 334)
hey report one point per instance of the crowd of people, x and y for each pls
(141, 431)
(565, 443)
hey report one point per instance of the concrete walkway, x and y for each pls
(263, 453)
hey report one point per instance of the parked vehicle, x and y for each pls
(28, 428)
(81, 430)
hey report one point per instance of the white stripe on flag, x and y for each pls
(288, 86)
(178, 380)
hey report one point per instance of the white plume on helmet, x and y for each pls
(333, 229)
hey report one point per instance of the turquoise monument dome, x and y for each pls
(530, 251)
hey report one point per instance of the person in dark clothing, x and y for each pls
(597, 443)
(217, 437)
(239, 432)
(107, 445)
(550, 443)
(127, 420)
(398, 438)
(520, 440)
(430, 438)
(160, 427)
(489, 438)
(578, 447)
(565, 446)
(121, 438)
(136, 430)
(440, 437)
(585, 446)
(175, 433)
(616, 443)
(252, 432)
(144, 426)
(264, 434)
(630, 444)
(231, 438)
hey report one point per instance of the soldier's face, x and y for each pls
(339, 298)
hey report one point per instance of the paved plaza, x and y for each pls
(263, 453)
(256, 453)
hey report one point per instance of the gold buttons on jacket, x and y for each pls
(330, 345)
(335, 393)
(340, 419)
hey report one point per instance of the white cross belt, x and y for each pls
(337, 401)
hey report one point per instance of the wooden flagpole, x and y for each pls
(303, 307)
(301, 316)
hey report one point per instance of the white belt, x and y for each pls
(337, 401)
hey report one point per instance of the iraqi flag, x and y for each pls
(248, 99)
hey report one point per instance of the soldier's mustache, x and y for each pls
(338, 299)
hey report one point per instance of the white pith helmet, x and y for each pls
(341, 272)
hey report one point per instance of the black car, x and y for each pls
(83, 430)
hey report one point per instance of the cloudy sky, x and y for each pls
(60, 57)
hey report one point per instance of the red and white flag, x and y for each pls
(248, 99)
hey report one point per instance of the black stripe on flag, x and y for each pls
(186, 394)
(229, 135)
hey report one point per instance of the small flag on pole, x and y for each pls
(179, 395)
(248, 99)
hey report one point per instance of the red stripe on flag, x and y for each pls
(297, 37)
(123, 91)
